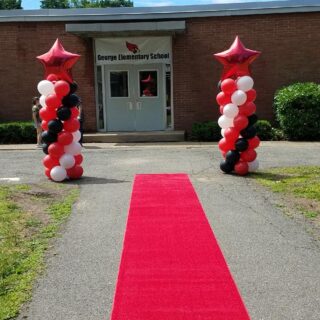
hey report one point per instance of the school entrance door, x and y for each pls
(135, 97)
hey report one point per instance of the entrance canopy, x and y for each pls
(101, 30)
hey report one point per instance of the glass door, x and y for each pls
(135, 98)
(120, 99)
(150, 98)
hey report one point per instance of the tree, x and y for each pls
(66, 4)
(10, 4)
(101, 3)
(55, 4)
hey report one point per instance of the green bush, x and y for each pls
(297, 109)
(264, 130)
(206, 131)
(17, 132)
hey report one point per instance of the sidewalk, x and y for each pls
(273, 259)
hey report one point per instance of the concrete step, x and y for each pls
(146, 136)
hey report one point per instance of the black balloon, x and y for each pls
(70, 100)
(226, 167)
(232, 157)
(73, 87)
(242, 144)
(49, 137)
(45, 147)
(249, 132)
(55, 126)
(64, 113)
(252, 119)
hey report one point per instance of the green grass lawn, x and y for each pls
(300, 184)
(30, 215)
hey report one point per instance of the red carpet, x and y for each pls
(172, 267)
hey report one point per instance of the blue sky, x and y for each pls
(35, 4)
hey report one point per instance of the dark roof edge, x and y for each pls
(161, 13)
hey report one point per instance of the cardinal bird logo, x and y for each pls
(132, 47)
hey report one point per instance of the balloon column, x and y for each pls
(59, 115)
(236, 100)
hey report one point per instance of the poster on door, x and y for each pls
(139, 50)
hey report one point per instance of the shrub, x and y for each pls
(297, 109)
(264, 130)
(206, 131)
(17, 132)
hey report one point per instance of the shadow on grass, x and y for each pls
(269, 176)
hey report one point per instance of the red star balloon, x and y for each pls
(59, 62)
(236, 59)
(148, 80)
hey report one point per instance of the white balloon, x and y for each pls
(67, 161)
(46, 87)
(253, 166)
(245, 83)
(76, 136)
(239, 97)
(230, 110)
(58, 173)
(225, 122)
(42, 101)
(73, 148)
(222, 132)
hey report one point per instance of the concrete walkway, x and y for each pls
(274, 261)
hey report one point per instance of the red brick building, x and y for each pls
(122, 47)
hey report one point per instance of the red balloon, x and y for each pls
(65, 138)
(247, 109)
(75, 172)
(241, 168)
(223, 99)
(231, 134)
(78, 158)
(228, 86)
(71, 125)
(74, 112)
(58, 61)
(44, 125)
(236, 59)
(56, 150)
(50, 162)
(221, 109)
(240, 122)
(226, 145)
(61, 88)
(249, 155)
(52, 77)
(254, 142)
(53, 101)
(47, 114)
(47, 172)
(251, 95)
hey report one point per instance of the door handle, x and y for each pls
(139, 105)
(130, 105)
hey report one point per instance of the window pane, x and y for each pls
(148, 83)
(168, 96)
(119, 83)
(100, 99)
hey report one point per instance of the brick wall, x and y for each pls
(290, 45)
(20, 71)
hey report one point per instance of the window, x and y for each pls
(119, 84)
(101, 124)
(168, 96)
(148, 81)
